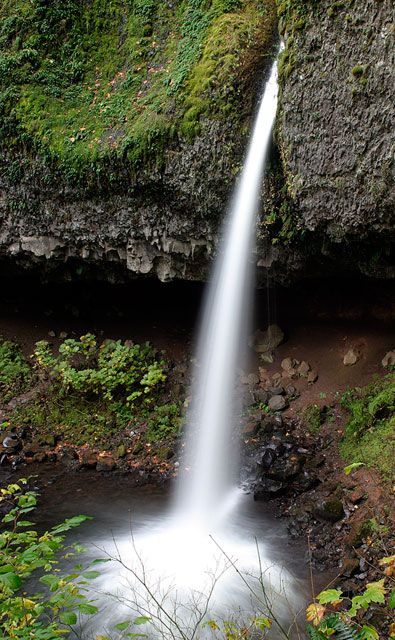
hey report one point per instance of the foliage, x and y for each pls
(353, 622)
(25, 553)
(122, 72)
(370, 430)
(15, 373)
(163, 422)
(94, 391)
(112, 370)
(314, 416)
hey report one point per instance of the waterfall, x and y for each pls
(202, 491)
(179, 574)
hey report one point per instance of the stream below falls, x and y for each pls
(179, 564)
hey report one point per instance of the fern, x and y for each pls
(315, 634)
(343, 630)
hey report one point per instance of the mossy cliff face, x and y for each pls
(123, 125)
(336, 127)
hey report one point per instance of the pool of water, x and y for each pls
(179, 574)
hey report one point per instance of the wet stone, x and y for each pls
(277, 403)
(106, 464)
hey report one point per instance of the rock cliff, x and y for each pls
(123, 127)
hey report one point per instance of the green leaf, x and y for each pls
(141, 620)
(70, 523)
(89, 609)
(330, 596)
(368, 633)
(10, 580)
(351, 467)
(391, 601)
(91, 575)
(68, 617)
(121, 626)
(262, 623)
(100, 560)
(375, 592)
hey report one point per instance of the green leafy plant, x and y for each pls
(112, 370)
(353, 621)
(369, 431)
(26, 613)
(15, 373)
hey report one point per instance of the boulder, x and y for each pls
(278, 403)
(265, 341)
(106, 464)
(351, 357)
(389, 359)
(312, 377)
(266, 489)
(303, 369)
(330, 510)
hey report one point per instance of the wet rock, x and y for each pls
(265, 341)
(251, 428)
(331, 510)
(357, 495)
(278, 403)
(11, 442)
(260, 395)
(350, 566)
(249, 398)
(287, 364)
(40, 456)
(106, 464)
(267, 458)
(32, 448)
(276, 391)
(303, 369)
(267, 357)
(389, 359)
(312, 377)
(292, 392)
(267, 489)
(264, 376)
(68, 457)
(277, 378)
(351, 357)
(88, 459)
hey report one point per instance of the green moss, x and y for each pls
(370, 430)
(15, 372)
(110, 83)
(358, 70)
(314, 417)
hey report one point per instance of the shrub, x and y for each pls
(15, 373)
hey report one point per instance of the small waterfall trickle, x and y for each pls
(202, 490)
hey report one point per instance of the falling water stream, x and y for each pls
(200, 560)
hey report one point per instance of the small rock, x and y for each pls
(52, 334)
(106, 464)
(351, 357)
(291, 392)
(252, 379)
(267, 489)
(251, 428)
(263, 374)
(260, 395)
(350, 567)
(63, 335)
(303, 369)
(277, 403)
(176, 464)
(330, 510)
(266, 341)
(88, 459)
(276, 378)
(287, 364)
(312, 377)
(267, 357)
(389, 359)
(11, 442)
(276, 391)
